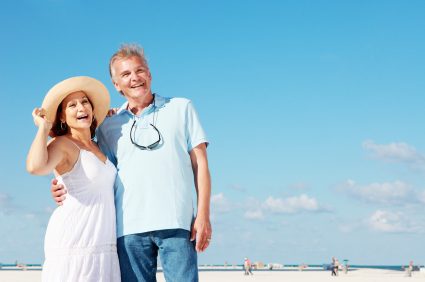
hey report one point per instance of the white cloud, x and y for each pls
(6, 204)
(347, 228)
(396, 192)
(422, 197)
(220, 203)
(48, 210)
(299, 186)
(4, 199)
(237, 187)
(292, 204)
(30, 216)
(254, 214)
(392, 222)
(396, 152)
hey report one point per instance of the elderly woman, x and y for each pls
(80, 241)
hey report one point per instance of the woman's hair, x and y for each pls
(59, 128)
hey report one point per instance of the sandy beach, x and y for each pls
(362, 275)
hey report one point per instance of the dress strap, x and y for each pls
(74, 143)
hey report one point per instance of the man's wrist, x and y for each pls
(203, 214)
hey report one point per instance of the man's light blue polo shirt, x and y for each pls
(153, 188)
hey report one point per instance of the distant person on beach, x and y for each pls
(345, 266)
(337, 264)
(247, 267)
(159, 148)
(80, 240)
(409, 269)
(334, 267)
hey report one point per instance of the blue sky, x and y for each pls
(314, 111)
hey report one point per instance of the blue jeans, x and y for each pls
(138, 256)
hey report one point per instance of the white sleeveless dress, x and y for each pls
(80, 241)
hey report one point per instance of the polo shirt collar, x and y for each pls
(159, 103)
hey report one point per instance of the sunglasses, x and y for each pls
(142, 147)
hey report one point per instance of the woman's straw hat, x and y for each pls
(94, 89)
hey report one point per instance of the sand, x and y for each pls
(362, 275)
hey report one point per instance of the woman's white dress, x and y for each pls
(80, 241)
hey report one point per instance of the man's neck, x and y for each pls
(137, 106)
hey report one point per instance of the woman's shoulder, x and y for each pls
(68, 150)
(59, 141)
(63, 143)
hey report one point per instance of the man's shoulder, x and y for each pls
(106, 122)
(178, 103)
(179, 100)
(112, 122)
(172, 104)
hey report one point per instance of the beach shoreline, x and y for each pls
(358, 275)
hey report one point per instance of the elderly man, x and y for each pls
(159, 148)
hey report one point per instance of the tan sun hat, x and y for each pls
(94, 89)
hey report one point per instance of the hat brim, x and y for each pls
(97, 93)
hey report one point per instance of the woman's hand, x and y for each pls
(39, 115)
(112, 112)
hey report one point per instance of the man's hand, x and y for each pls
(58, 192)
(201, 230)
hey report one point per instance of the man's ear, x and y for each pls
(116, 85)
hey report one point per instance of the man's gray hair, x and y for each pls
(128, 50)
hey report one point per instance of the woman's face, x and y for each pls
(77, 111)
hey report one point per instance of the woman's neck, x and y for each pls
(81, 136)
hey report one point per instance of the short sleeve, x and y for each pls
(195, 133)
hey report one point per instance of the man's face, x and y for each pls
(131, 77)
